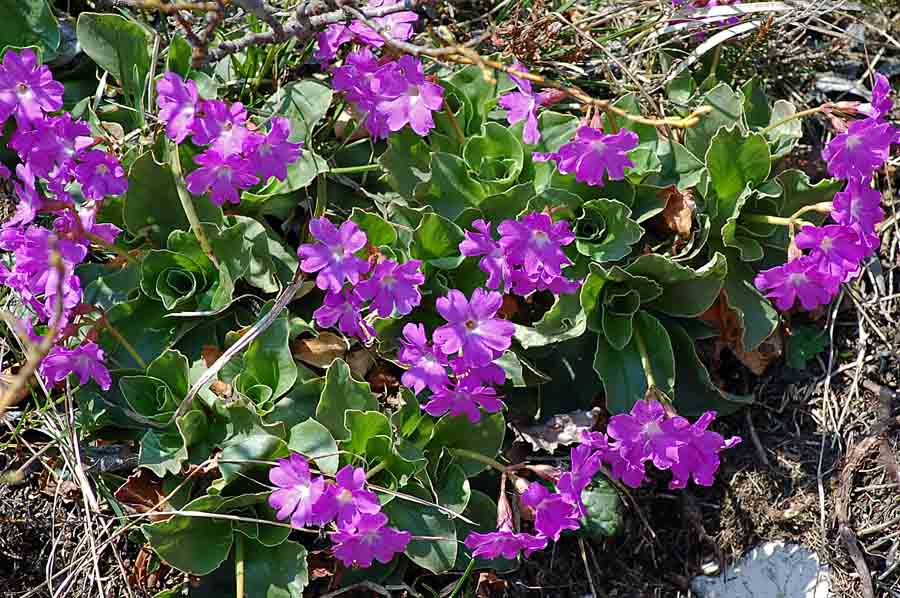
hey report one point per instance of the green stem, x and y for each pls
(124, 342)
(460, 136)
(794, 116)
(375, 470)
(645, 358)
(480, 458)
(462, 580)
(766, 219)
(239, 565)
(188, 205)
(355, 169)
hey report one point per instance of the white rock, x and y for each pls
(770, 570)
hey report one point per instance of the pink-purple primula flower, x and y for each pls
(472, 329)
(333, 256)
(801, 279)
(298, 493)
(368, 538)
(463, 400)
(271, 154)
(427, 364)
(407, 97)
(593, 153)
(504, 543)
(177, 100)
(521, 106)
(348, 498)
(85, 361)
(552, 514)
(861, 150)
(344, 310)
(27, 90)
(223, 175)
(393, 286)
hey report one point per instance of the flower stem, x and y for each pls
(188, 205)
(124, 342)
(239, 565)
(480, 458)
(375, 470)
(645, 358)
(355, 169)
(794, 116)
(766, 219)
(457, 130)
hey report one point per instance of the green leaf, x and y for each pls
(363, 426)
(436, 556)
(685, 292)
(735, 161)
(484, 437)
(797, 193)
(622, 371)
(148, 396)
(619, 307)
(106, 285)
(603, 509)
(436, 242)
(196, 545)
(178, 59)
(172, 278)
(142, 323)
(341, 393)
(496, 155)
(727, 108)
(300, 174)
(784, 137)
(407, 162)
(119, 46)
(564, 321)
(695, 392)
(313, 440)
(804, 344)
(304, 103)
(557, 129)
(26, 23)
(152, 207)
(378, 230)
(268, 359)
(454, 491)
(249, 441)
(605, 233)
(275, 572)
(453, 185)
(298, 405)
(755, 313)
(679, 167)
(756, 104)
(162, 452)
(479, 93)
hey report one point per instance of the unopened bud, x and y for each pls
(549, 97)
(546, 472)
(839, 124)
(793, 251)
(504, 512)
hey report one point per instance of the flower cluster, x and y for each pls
(522, 104)
(237, 157)
(527, 258)
(62, 174)
(391, 287)
(459, 368)
(397, 26)
(835, 251)
(362, 534)
(647, 434)
(592, 153)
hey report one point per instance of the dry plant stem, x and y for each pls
(161, 6)
(795, 116)
(37, 354)
(239, 565)
(188, 205)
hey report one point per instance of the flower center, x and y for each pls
(22, 88)
(853, 141)
(797, 278)
(102, 169)
(599, 147)
(826, 244)
(540, 237)
(227, 126)
(345, 496)
(651, 429)
(388, 281)
(471, 324)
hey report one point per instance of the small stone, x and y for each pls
(772, 569)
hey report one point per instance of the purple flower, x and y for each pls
(858, 204)
(522, 105)
(698, 457)
(368, 538)
(348, 498)
(332, 257)
(272, 154)
(585, 464)
(552, 514)
(524, 284)
(298, 493)
(101, 175)
(505, 543)
(393, 286)
(535, 242)
(592, 153)
(222, 175)
(463, 400)
(356, 77)
(30, 200)
(177, 100)
(222, 126)
(71, 226)
(344, 309)
(472, 328)
(800, 278)
(397, 26)
(644, 434)
(408, 97)
(85, 361)
(27, 91)
(471, 377)
(881, 102)
(494, 262)
(52, 146)
(330, 41)
(836, 247)
(427, 363)
(861, 150)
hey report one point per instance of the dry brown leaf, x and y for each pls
(564, 429)
(383, 378)
(210, 353)
(731, 336)
(142, 492)
(361, 363)
(678, 215)
(321, 350)
(144, 574)
(489, 585)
